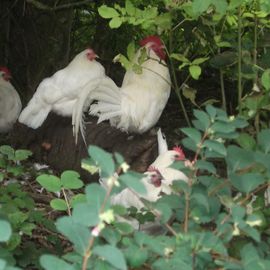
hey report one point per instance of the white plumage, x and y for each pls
(10, 102)
(65, 92)
(137, 105)
(157, 181)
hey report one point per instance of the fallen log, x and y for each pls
(53, 143)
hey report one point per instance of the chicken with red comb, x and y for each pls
(65, 92)
(137, 105)
(10, 102)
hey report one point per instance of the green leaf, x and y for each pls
(215, 146)
(225, 59)
(250, 258)
(49, 182)
(212, 111)
(264, 140)
(86, 214)
(179, 57)
(266, 79)
(8, 151)
(27, 228)
(164, 21)
(192, 133)
(22, 154)
(165, 211)
(123, 227)
(132, 180)
(115, 22)
(130, 8)
(78, 198)
(220, 5)
(103, 159)
(70, 180)
(89, 165)
(2, 176)
(235, 4)
(199, 6)
(238, 213)
(50, 262)
(205, 165)
(200, 200)
(78, 234)
(238, 158)
(131, 51)
(246, 182)
(189, 93)
(95, 194)
(246, 141)
(222, 127)
(111, 236)
(195, 71)
(253, 233)
(136, 256)
(199, 61)
(107, 12)
(203, 117)
(17, 218)
(58, 204)
(5, 230)
(112, 255)
(189, 144)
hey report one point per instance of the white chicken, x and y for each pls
(137, 105)
(10, 102)
(157, 181)
(65, 92)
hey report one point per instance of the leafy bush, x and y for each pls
(220, 220)
(19, 215)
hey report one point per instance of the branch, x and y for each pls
(41, 6)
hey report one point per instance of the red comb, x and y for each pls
(5, 70)
(156, 45)
(153, 39)
(179, 150)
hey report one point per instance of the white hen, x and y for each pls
(137, 105)
(10, 102)
(65, 91)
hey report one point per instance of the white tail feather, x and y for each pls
(107, 116)
(162, 143)
(102, 107)
(77, 114)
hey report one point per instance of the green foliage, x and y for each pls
(212, 213)
(19, 217)
(68, 180)
(207, 36)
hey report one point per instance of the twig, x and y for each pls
(67, 202)
(177, 88)
(44, 7)
(239, 59)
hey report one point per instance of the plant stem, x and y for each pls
(88, 253)
(176, 86)
(239, 59)
(67, 202)
(187, 199)
(222, 88)
(255, 81)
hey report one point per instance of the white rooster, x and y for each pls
(10, 102)
(64, 92)
(137, 105)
